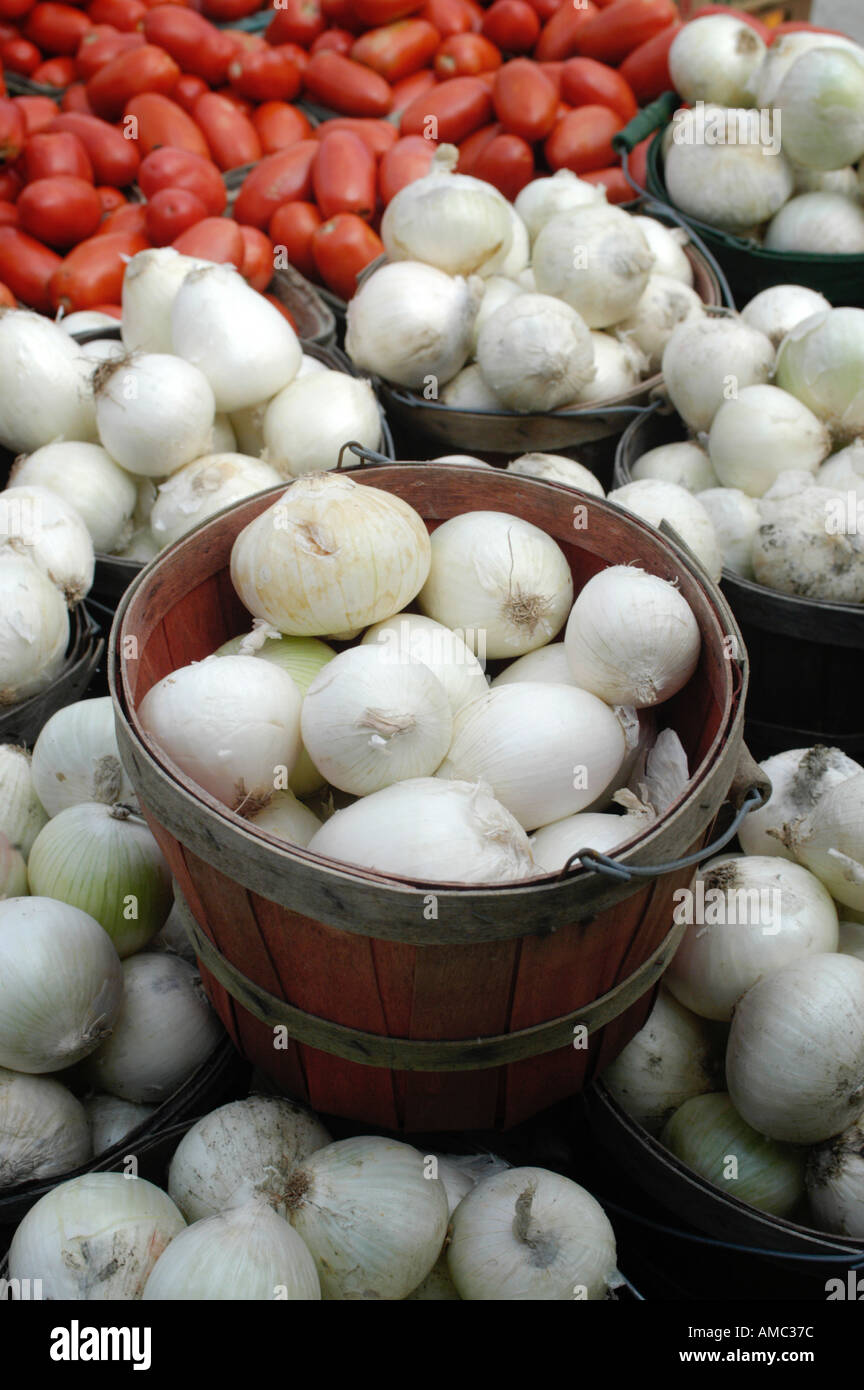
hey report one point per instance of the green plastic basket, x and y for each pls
(748, 266)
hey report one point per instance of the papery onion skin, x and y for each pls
(714, 59)
(822, 363)
(202, 488)
(736, 520)
(535, 352)
(729, 183)
(43, 1129)
(821, 99)
(286, 818)
(76, 758)
(595, 259)
(40, 524)
(150, 286)
(411, 324)
(554, 844)
(830, 841)
(665, 303)
(804, 545)
(543, 198)
(547, 663)
(672, 1058)
(445, 219)
(799, 778)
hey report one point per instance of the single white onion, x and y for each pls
(248, 425)
(497, 290)
(445, 219)
(835, 1183)
(736, 519)
(672, 1058)
(542, 199)
(39, 523)
(411, 323)
(150, 286)
(512, 260)
(667, 246)
(780, 308)
(619, 367)
(596, 259)
(761, 433)
(545, 664)
(821, 100)
(286, 818)
(845, 469)
(154, 413)
(34, 629)
(310, 420)
(88, 479)
(250, 1253)
(111, 1119)
(13, 871)
(43, 1129)
(469, 390)
(202, 488)
(45, 386)
(782, 55)
(22, 814)
(554, 844)
(665, 303)
(820, 223)
(830, 841)
(708, 358)
(821, 361)
(411, 636)
(685, 463)
(725, 168)
(799, 779)
(84, 321)
(557, 468)
(715, 58)
(76, 758)
(535, 353)
(656, 501)
(801, 549)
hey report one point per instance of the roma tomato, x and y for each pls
(93, 272)
(471, 149)
(257, 265)
(464, 55)
(560, 36)
(52, 153)
(279, 125)
(612, 35)
(553, 71)
(57, 72)
(293, 226)
(285, 177)
(271, 74)
(450, 111)
(334, 41)
(409, 159)
(114, 311)
(131, 219)
(343, 247)
(507, 162)
(115, 160)
(100, 46)
(215, 239)
(585, 82)
(405, 91)
(231, 136)
(10, 184)
(226, 11)
(170, 212)
(111, 199)
(618, 190)
(340, 14)
(60, 211)
(125, 15)
(8, 214)
(27, 267)
(187, 90)
(399, 49)
(283, 310)
(296, 21)
(582, 140)
(15, 9)
(56, 29)
(513, 25)
(20, 55)
(449, 17)
(525, 100)
(75, 99)
(377, 136)
(637, 163)
(343, 175)
(192, 41)
(376, 12)
(145, 69)
(38, 112)
(7, 298)
(646, 69)
(346, 86)
(160, 121)
(167, 168)
(545, 8)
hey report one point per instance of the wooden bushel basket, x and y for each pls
(407, 1005)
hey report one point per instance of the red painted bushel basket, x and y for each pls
(338, 982)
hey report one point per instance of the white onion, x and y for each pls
(542, 199)
(40, 524)
(535, 353)
(43, 1129)
(715, 58)
(795, 1060)
(250, 1253)
(22, 814)
(514, 259)
(61, 983)
(761, 433)
(45, 390)
(373, 1220)
(84, 321)
(411, 323)
(724, 168)
(545, 664)
(330, 556)
(154, 414)
(557, 842)
(310, 420)
(448, 220)
(835, 1183)
(557, 468)
(656, 501)
(76, 758)
(827, 181)
(88, 479)
(248, 426)
(103, 350)
(165, 1029)
(667, 247)
(244, 347)
(528, 1233)
(13, 870)
(822, 103)
(95, 1238)
(672, 1058)
(512, 739)
(469, 390)
(780, 308)
(410, 635)
(684, 463)
(150, 287)
(430, 829)
(830, 841)
(111, 1119)
(821, 361)
(286, 818)
(736, 519)
(202, 488)
(782, 55)
(497, 290)
(799, 779)
(851, 940)
(499, 580)
(844, 470)
(34, 629)
(707, 359)
(618, 369)
(596, 259)
(244, 1151)
(229, 723)
(631, 637)
(665, 303)
(224, 438)
(799, 549)
(821, 223)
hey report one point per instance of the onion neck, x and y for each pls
(540, 1245)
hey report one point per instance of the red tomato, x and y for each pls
(38, 112)
(545, 8)
(93, 272)
(7, 298)
(296, 21)
(560, 36)
(449, 17)
(145, 69)
(285, 177)
(405, 91)
(57, 72)
(638, 161)
(376, 12)
(343, 175)
(169, 212)
(246, 43)
(215, 239)
(465, 55)
(187, 90)
(283, 309)
(409, 159)
(612, 35)
(192, 41)
(60, 211)
(115, 160)
(346, 86)
(257, 264)
(471, 149)
(646, 69)
(343, 247)
(99, 47)
(340, 14)
(27, 266)
(377, 136)
(8, 214)
(582, 140)
(292, 227)
(15, 9)
(131, 218)
(334, 41)
(279, 125)
(553, 71)
(75, 99)
(167, 168)
(114, 311)
(125, 15)
(618, 190)
(111, 199)
(507, 162)
(513, 25)
(585, 82)
(160, 121)
(271, 74)
(399, 49)
(525, 100)
(20, 55)
(231, 136)
(10, 184)
(450, 111)
(56, 29)
(226, 11)
(54, 153)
